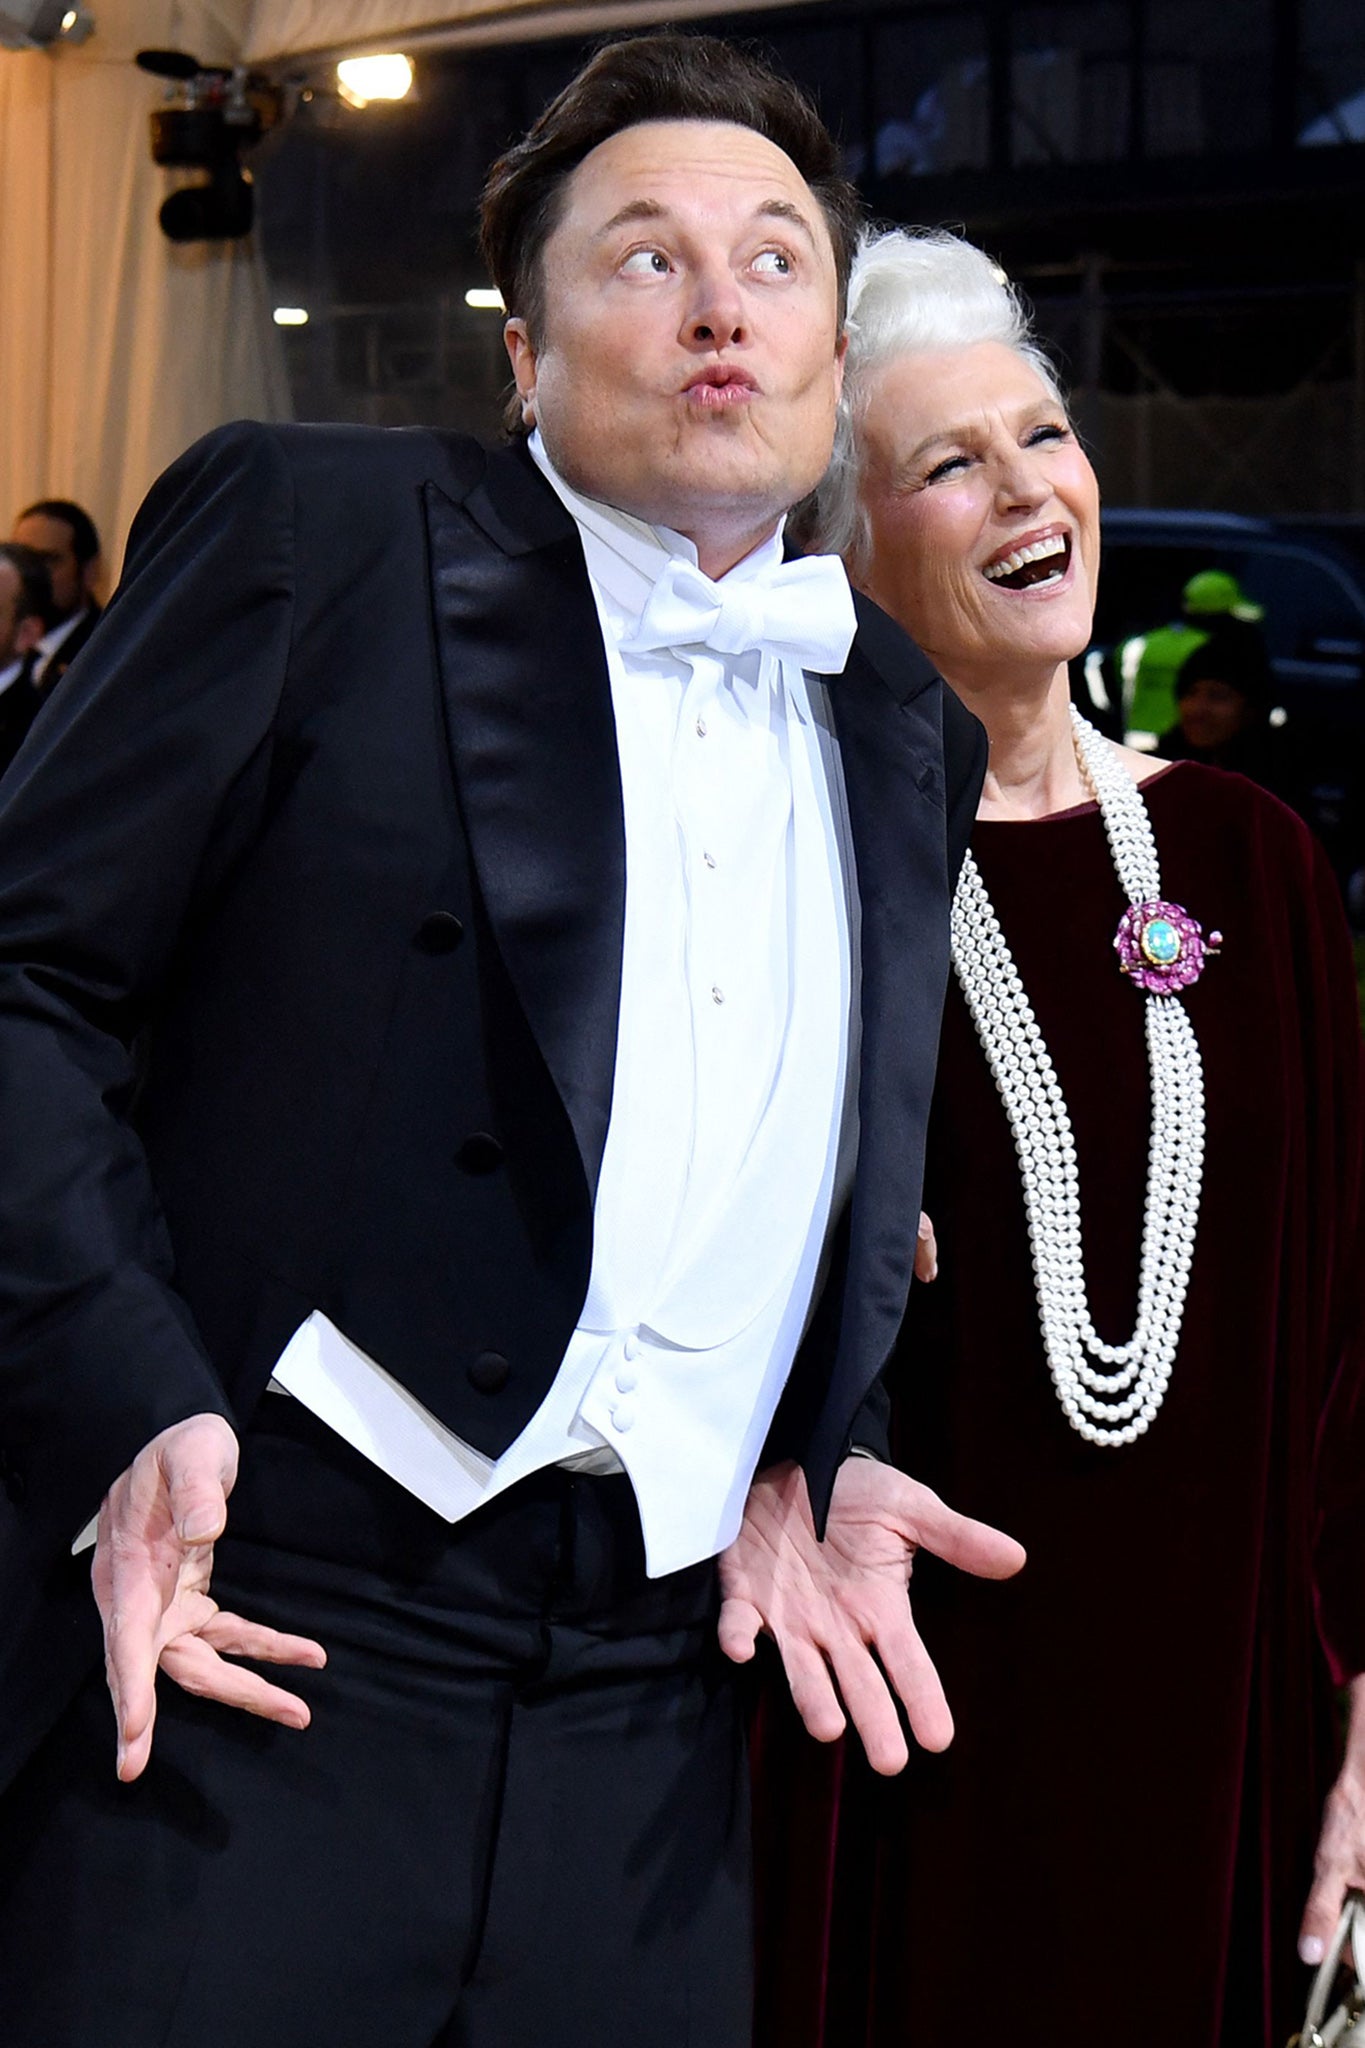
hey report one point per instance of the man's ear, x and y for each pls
(28, 633)
(840, 358)
(91, 573)
(521, 353)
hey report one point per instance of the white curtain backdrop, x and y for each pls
(290, 28)
(117, 348)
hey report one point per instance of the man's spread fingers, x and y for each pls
(198, 1506)
(130, 1645)
(737, 1630)
(972, 1546)
(917, 1685)
(812, 1690)
(870, 1707)
(197, 1668)
(237, 1637)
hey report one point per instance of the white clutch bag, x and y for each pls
(1342, 1976)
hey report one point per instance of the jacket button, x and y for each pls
(489, 1373)
(480, 1153)
(441, 932)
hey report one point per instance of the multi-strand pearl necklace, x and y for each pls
(1110, 1393)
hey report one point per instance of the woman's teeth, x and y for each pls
(1043, 561)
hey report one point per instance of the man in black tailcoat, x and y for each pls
(472, 933)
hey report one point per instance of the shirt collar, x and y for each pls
(55, 636)
(625, 555)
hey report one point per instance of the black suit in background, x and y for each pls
(330, 827)
(26, 695)
(18, 709)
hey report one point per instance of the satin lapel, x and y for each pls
(530, 724)
(892, 759)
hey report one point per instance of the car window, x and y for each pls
(1311, 605)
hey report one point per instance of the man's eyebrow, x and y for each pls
(783, 209)
(634, 209)
(650, 209)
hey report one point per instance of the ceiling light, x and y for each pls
(484, 299)
(38, 24)
(291, 316)
(362, 79)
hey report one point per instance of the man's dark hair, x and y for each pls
(85, 541)
(665, 77)
(35, 585)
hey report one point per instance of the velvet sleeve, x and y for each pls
(1337, 1222)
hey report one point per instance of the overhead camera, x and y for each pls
(38, 24)
(210, 118)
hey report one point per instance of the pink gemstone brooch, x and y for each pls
(1161, 948)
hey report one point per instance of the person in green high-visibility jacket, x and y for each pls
(1147, 664)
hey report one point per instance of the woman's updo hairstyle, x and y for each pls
(911, 290)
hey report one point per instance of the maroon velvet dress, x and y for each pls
(1116, 1849)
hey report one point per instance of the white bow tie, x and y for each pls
(799, 611)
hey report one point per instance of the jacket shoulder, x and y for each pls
(338, 457)
(902, 666)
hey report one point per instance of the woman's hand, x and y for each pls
(1339, 1865)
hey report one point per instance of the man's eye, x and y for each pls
(645, 263)
(773, 263)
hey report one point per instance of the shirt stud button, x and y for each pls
(710, 859)
(627, 1381)
(701, 728)
(489, 1372)
(623, 1417)
(718, 995)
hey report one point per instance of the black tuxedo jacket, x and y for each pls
(311, 899)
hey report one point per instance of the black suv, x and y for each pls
(1309, 578)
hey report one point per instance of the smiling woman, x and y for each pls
(1138, 1337)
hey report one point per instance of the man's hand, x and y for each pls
(830, 1606)
(1339, 1865)
(153, 1560)
(926, 1249)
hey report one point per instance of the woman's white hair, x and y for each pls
(911, 290)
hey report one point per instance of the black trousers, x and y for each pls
(518, 1820)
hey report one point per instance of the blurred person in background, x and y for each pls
(1146, 665)
(64, 534)
(1142, 1351)
(1224, 695)
(25, 614)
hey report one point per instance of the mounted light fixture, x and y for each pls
(38, 24)
(210, 118)
(363, 79)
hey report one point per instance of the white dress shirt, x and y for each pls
(732, 1126)
(55, 639)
